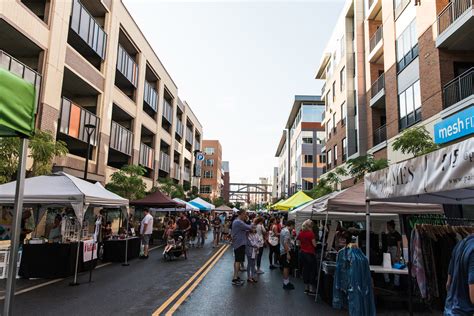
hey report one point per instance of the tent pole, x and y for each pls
(404, 222)
(367, 230)
(75, 283)
(16, 228)
(322, 254)
(125, 264)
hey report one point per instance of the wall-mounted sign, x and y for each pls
(200, 156)
(456, 126)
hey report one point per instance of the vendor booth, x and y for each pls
(446, 177)
(223, 208)
(74, 244)
(298, 199)
(187, 206)
(202, 205)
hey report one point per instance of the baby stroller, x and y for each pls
(175, 246)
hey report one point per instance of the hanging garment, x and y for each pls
(418, 267)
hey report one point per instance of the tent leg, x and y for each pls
(367, 230)
(16, 228)
(125, 264)
(410, 280)
(322, 255)
(75, 283)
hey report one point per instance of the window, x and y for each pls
(205, 189)
(322, 159)
(307, 140)
(407, 46)
(208, 174)
(343, 114)
(333, 90)
(409, 106)
(344, 149)
(209, 150)
(342, 78)
(329, 155)
(334, 122)
(209, 162)
(308, 158)
(328, 128)
(335, 155)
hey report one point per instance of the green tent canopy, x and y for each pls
(294, 201)
(17, 105)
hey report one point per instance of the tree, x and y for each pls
(172, 189)
(218, 201)
(193, 193)
(128, 183)
(360, 166)
(416, 141)
(321, 189)
(43, 148)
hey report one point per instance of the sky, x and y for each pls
(239, 65)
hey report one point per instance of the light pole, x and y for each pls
(90, 128)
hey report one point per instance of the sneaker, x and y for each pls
(260, 271)
(288, 286)
(237, 282)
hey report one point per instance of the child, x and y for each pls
(251, 250)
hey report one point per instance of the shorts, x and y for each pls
(239, 254)
(284, 263)
(146, 239)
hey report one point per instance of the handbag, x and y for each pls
(272, 239)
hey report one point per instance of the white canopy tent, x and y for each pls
(202, 205)
(189, 207)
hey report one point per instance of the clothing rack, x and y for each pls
(438, 220)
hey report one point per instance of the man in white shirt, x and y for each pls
(146, 229)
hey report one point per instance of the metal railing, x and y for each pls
(73, 119)
(164, 162)
(189, 135)
(168, 111)
(121, 139)
(147, 156)
(459, 88)
(179, 128)
(377, 86)
(150, 96)
(187, 174)
(176, 172)
(84, 24)
(127, 66)
(452, 12)
(380, 135)
(376, 38)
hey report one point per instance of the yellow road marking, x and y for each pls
(195, 284)
(181, 289)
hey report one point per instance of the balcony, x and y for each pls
(127, 66)
(456, 26)
(147, 156)
(179, 128)
(376, 45)
(187, 174)
(164, 162)
(374, 9)
(380, 135)
(459, 89)
(121, 139)
(150, 97)
(168, 112)
(176, 172)
(73, 119)
(377, 92)
(18, 68)
(178, 147)
(86, 28)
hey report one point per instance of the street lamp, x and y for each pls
(90, 128)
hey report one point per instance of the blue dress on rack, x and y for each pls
(353, 283)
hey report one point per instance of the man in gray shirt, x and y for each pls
(285, 256)
(239, 241)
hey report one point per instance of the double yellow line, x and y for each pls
(191, 284)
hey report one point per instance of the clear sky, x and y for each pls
(239, 64)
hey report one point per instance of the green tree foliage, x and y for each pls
(128, 183)
(42, 147)
(170, 188)
(416, 141)
(323, 188)
(193, 193)
(218, 201)
(360, 166)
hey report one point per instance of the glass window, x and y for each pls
(334, 90)
(208, 174)
(344, 148)
(417, 95)
(209, 150)
(322, 159)
(406, 44)
(342, 78)
(335, 153)
(209, 162)
(402, 105)
(312, 113)
(308, 158)
(343, 113)
(409, 104)
(334, 120)
(307, 140)
(205, 189)
(329, 154)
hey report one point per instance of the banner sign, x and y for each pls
(89, 250)
(425, 178)
(456, 126)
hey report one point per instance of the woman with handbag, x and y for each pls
(274, 242)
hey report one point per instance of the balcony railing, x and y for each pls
(84, 24)
(147, 156)
(150, 96)
(187, 174)
(377, 86)
(176, 172)
(168, 111)
(380, 135)
(452, 12)
(18, 68)
(127, 66)
(376, 38)
(459, 88)
(121, 139)
(189, 135)
(179, 128)
(72, 121)
(164, 162)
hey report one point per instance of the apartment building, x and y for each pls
(342, 69)
(413, 67)
(300, 162)
(226, 177)
(212, 181)
(96, 73)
